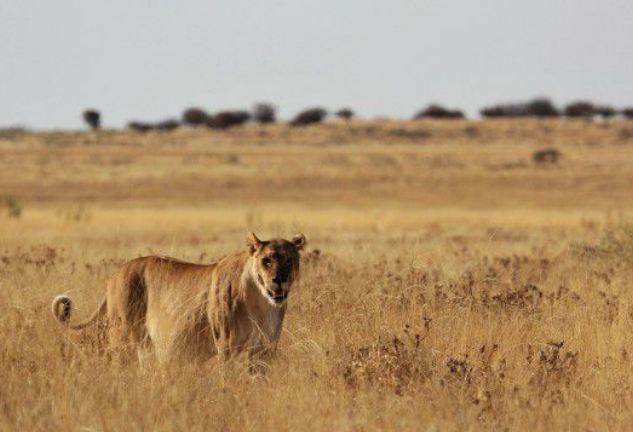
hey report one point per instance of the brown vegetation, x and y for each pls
(448, 284)
(548, 155)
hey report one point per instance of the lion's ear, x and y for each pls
(253, 243)
(299, 241)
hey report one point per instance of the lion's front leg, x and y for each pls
(223, 336)
(221, 319)
(224, 350)
(261, 352)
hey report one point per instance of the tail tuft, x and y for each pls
(61, 308)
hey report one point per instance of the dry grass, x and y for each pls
(457, 285)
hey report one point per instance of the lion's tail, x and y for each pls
(62, 309)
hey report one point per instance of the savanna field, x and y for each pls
(450, 282)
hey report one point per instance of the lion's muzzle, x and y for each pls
(277, 293)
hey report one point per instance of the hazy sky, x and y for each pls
(149, 60)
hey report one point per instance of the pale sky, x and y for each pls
(150, 60)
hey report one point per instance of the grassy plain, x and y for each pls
(450, 283)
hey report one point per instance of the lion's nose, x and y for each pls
(277, 280)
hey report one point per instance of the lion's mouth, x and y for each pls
(278, 298)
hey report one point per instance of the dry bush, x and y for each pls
(615, 243)
(413, 134)
(392, 363)
(12, 206)
(546, 156)
(627, 113)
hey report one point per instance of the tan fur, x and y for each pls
(232, 307)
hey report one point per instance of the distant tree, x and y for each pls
(495, 111)
(628, 113)
(195, 117)
(140, 126)
(92, 118)
(309, 116)
(580, 109)
(228, 119)
(541, 107)
(167, 125)
(345, 113)
(517, 109)
(605, 111)
(264, 113)
(537, 107)
(438, 112)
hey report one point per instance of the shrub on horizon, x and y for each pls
(605, 111)
(195, 117)
(167, 125)
(541, 107)
(537, 107)
(264, 113)
(140, 126)
(438, 112)
(580, 109)
(228, 119)
(309, 116)
(345, 113)
(92, 118)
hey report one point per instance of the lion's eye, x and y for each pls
(267, 262)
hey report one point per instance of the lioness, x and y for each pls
(235, 306)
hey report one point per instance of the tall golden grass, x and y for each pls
(450, 283)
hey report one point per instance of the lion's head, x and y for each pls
(275, 265)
